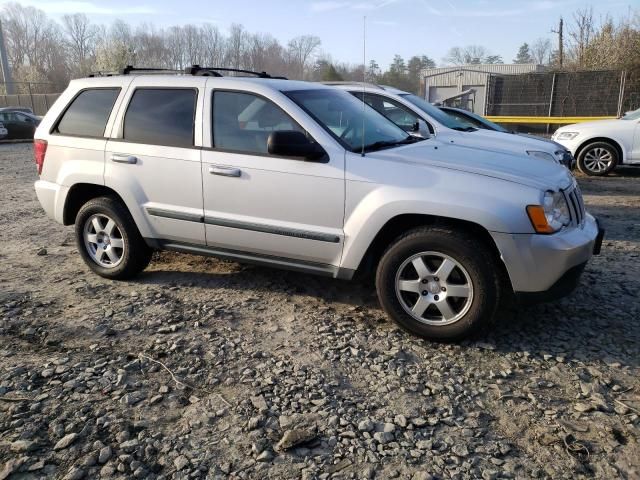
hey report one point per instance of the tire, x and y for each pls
(598, 159)
(97, 238)
(474, 271)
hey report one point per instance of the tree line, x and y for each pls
(50, 53)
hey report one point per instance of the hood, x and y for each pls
(541, 139)
(517, 168)
(504, 142)
(576, 127)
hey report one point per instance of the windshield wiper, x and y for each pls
(387, 143)
(464, 129)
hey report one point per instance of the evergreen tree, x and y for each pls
(524, 54)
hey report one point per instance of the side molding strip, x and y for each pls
(254, 227)
(287, 232)
(189, 217)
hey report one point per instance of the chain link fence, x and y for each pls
(38, 96)
(557, 94)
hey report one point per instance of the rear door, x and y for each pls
(153, 157)
(256, 202)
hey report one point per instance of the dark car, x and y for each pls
(477, 121)
(18, 124)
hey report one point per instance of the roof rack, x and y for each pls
(130, 68)
(195, 70)
(360, 84)
(214, 72)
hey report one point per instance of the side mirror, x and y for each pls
(421, 129)
(291, 143)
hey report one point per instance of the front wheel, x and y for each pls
(109, 241)
(439, 283)
(598, 159)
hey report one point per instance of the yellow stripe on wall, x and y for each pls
(545, 120)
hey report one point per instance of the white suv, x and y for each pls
(409, 111)
(301, 176)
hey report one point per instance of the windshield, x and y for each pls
(435, 113)
(635, 115)
(344, 117)
(476, 120)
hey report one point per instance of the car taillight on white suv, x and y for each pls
(39, 151)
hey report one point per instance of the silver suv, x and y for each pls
(305, 176)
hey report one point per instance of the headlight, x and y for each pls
(552, 215)
(566, 135)
(542, 155)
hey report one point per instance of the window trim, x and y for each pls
(195, 112)
(213, 148)
(54, 127)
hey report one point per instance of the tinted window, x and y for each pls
(161, 117)
(88, 113)
(434, 112)
(243, 122)
(394, 111)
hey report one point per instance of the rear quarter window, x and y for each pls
(88, 113)
(158, 116)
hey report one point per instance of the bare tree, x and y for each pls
(236, 44)
(541, 51)
(80, 40)
(300, 50)
(213, 46)
(471, 54)
(580, 33)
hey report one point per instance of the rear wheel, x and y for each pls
(108, 239)
(598, 159)
(439, 283)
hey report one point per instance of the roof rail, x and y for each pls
(360, 84)
(214, 72)
(130, 68)
(100, 73)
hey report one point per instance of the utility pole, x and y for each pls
(6, 70)
(560, 42)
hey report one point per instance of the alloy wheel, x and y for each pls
(434, 288)
(598, 160)
(103, 240)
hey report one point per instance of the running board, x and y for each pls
(255, 258)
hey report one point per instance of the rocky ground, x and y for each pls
(209, 369)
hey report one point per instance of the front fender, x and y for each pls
(497, 206)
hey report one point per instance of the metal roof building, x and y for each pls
(468, 84)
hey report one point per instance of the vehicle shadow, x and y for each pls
(571, 328)
(619, 172)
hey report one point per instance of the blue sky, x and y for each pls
(406, 27)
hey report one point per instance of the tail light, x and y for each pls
(39, 151)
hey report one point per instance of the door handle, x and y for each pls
(224, 171)
(119, 158)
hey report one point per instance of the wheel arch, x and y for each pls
(400, 224)
(81, 193)
(614, 143)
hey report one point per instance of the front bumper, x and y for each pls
(537, 263)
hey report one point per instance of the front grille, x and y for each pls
(576, 205)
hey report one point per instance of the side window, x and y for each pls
(88, 113)
(24, 118)
(472, 122)
(161, 116)
(243, 122)
(394, 111)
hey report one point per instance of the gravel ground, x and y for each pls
(208, 369)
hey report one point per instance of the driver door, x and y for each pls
(280, 208)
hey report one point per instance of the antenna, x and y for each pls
(364, 74)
